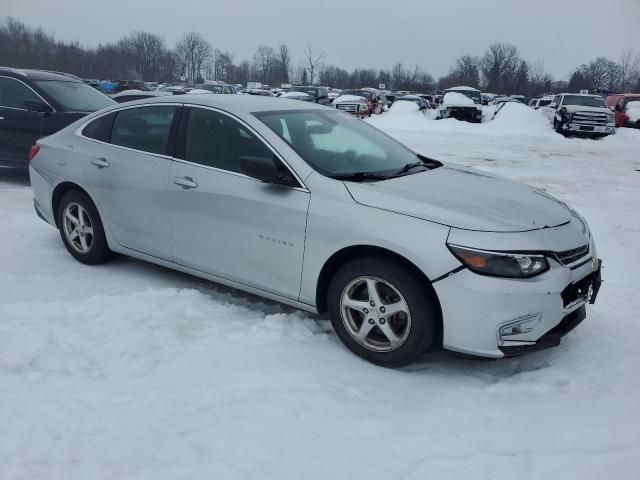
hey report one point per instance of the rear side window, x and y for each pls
(145, 128)
(100, 128)
(13, 94)
(210, 138)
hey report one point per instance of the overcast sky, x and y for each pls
(362, 33)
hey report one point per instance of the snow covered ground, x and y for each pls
(132, 371)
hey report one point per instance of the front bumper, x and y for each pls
(581, 129)
(479, 312)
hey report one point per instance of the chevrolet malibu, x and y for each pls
(317, 209)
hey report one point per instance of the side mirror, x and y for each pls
(36, 106)
(553, 105)
(267, 170)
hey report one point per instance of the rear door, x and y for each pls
(19, 128)
(228, 224)
(128, 174)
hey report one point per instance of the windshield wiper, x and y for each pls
(424, 162)
(360, 176)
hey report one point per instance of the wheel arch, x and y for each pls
(59, 192)
(340, 257)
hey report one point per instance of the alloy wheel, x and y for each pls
(375, 314)
(78, 228)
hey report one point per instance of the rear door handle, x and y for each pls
(185, 182)
(100, 162)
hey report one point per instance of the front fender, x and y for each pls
(421, 242)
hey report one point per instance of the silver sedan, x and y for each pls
(317, 209)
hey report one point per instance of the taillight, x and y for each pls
(33, 151)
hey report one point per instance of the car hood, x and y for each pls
(464, 198)
(582, 108)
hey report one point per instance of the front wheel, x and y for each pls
(81, 228)
(382, 312)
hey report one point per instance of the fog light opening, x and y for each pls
(518, 326)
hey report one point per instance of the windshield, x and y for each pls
(357, 93)
(211, 88)
(75, 96)
(338, 144)
(308, 90)
(583, 101)
(544, 103)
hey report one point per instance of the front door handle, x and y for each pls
(100, 162)
(185, 182)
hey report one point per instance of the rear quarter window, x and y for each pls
(100, 128)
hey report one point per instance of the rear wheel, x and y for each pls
(81, 228)
(381, 312)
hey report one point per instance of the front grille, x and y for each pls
(347, 107)
(589, 118)
(570, 256)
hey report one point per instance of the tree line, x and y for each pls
(146, 56)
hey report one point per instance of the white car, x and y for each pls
(314, 208)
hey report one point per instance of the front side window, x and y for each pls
(75, 96)
(145, 128)
(338, 144)
(216, 140)
(14, 94)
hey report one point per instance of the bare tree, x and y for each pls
(193, 51)
(264, 59)
(629, 69)
(284, 63)
(499, 66)
(312, 62)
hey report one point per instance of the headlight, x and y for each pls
(501, 264)
(362, 107)
(610, 119)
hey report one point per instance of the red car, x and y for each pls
(626, 108)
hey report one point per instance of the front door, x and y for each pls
(128, 174)
(228, 224)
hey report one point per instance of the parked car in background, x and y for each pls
(174, 89)
(37, 103)
(259, 92)
(580, 114)
(626, 109)
(537, 103)
(420, 101)
(319, 95)
(461, 103)
(299, 204)
(221, 88)
(131, 95)
(360, 102)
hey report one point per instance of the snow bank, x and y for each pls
(633, 110)
(514, 118)
(349, 98)
(456, 98)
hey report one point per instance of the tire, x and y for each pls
(413, 330)
(83, 237)
(557, 126)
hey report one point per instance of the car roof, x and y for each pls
(244, 104)
(38, 74)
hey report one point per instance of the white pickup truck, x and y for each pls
(580, 114)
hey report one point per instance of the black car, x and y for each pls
(317, 94)
(37, 103)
